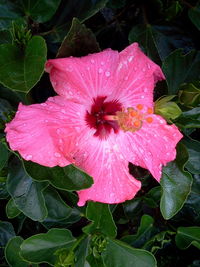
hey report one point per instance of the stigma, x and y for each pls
(132, 119)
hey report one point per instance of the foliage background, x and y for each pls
(40, 223)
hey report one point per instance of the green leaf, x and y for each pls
(179, 68)
(187, 236)
(189, 95)
(193, 148)
(82, 252)
(194, 15)
(42, 247)
(3, 155)
(154, 42)
(94, 261)
(144, 232)
(174, 9)
(40, 10)
(68, 178)
(26, 193)
(118, 254)
(5, 108)
(8, 12)
(56, 207)
(176, 184)
(12, 253)
(159, 241)
(82, 10)
(166, 108)
(80, 41)
(6, 232)
(5, 37)
(189, 119)
(102, 220)
(21, 69)
(11, 209)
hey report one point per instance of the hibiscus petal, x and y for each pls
(109, 169)
(80, 79)
(152, 146)
(45, 133)
(136, 77)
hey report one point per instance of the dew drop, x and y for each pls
(107, 73)
(44, 104)
(102, 63)
(100, 71)
(142, 96)
(57, 155)
(92, 61)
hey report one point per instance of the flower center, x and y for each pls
(96, 118)
(132, 118)
(105, 116)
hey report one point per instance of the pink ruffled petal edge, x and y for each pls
(46, 133)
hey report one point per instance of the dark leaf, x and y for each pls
(68, 178)
(26, 193)
(102, 220)
(42, 247)
(21, 69)
(80, 41)
(118, 254)
(176, 184)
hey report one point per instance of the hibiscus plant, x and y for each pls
(99, 133)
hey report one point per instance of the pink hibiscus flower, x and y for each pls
(101, 120)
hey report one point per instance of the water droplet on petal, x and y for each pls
(142, 96)
(57, 155)
(107, 73)
(102, 63)
(58, 131)
(92, 61)
(100, 71)
(63, 111)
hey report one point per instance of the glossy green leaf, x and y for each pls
(144, 232)
(5, 37)
(159, 241)
(8, 12)
(11, 209)
(118, 254)
(189, 95)
(56, 207)
(68, 178)
(82, 252)
(102, 220)
(3, 190)
(40, 10)
(12, 253)
(194, 15)
(42, 247)
(5, 108)
(187, 236)
(94, 261)
(3, 155)
(176, 184)
(82, 10)
(156, 44)
(21, 69)
(6, 232)
(175, 68)
(167, 108)
(26, 193)
(193, 148)
(174, 9)
(189, 119)
(80, 41)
